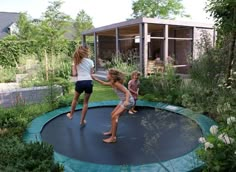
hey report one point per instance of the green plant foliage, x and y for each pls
(11, 50)
(218, 149)
(62, 68)
(210, 64)
(21, 114)
(82, 22)
(7, 74)
(124, 63)
(160, 8)
(165, 87)
(71, 46)
(224, 14)
(18, 156)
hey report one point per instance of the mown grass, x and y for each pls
(102, 93)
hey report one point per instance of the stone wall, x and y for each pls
(9, 98)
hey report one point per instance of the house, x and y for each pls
(8, 22)
(148, 39)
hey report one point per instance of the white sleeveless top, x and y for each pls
(84, 69)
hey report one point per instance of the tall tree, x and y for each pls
(54, 25)
(52, 31)
(82, 22)
(157, 8)
(224, 13)
(25, 26)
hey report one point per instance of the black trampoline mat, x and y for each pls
(149, 136)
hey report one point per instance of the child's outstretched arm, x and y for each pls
(74, 71)
(100, 81)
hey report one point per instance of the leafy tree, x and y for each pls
(53, 26)
(157, 8)
(26, 28)
(83, 22)
(52, 29)
(224, 13)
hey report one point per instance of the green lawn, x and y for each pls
(102, 93)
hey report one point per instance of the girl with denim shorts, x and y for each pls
(116, 81)
(83, 68)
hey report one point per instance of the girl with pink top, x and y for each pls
(133, 86)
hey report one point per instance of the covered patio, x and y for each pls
(150, 43)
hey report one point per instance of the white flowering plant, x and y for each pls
(218, 149)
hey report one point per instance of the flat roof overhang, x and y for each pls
(131, 27)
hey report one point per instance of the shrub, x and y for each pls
(7, 74)
(119, 63)
(165, 86)
(219, 148)
(18, 156)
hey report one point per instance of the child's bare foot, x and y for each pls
(69, 115)
(107, 133)
(110, 140)
(131, 112)
(82, 124)
(134, 111)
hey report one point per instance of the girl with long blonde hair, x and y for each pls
(83, 67)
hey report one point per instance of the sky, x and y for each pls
(102, 12)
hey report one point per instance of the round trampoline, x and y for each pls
(159, 137)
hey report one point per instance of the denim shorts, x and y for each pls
(84, 86)
(129, 106)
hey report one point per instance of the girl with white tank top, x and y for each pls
(82, 68)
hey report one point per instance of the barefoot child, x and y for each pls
(116, 81)
(133, 86)
(82, 68)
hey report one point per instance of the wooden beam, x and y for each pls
(132, 22)
(181, 39)
(194, 53)
(123, 39)
(83, 40)
(157, 37)
(145, 47)
(141, 66)
(166, 34)
(117, 42)
(95, 50)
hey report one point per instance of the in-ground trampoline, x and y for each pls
(159, 137)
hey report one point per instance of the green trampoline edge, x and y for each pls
(32, 134)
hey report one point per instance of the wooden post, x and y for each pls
(141, 59)
(194, 48)
(166, 44)
(145, 48)
(117, 42)
(83, 40)
(46, 64)
(95, 50)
